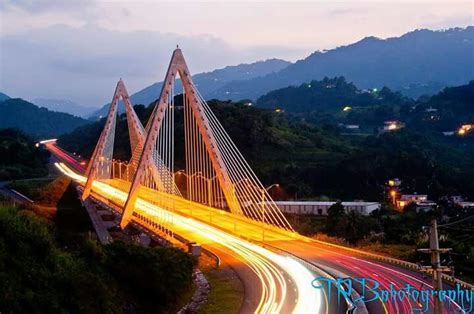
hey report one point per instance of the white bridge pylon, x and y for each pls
(101, 162)
(217, 175)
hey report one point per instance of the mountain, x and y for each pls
(445, 111)
(209, 81)
(422, 57)
(314, 159)
(3, 97)
(36, 121)
(329, 94)
(63, 105)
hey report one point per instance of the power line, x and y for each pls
(456, 222)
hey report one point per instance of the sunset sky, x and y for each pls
(77, 49)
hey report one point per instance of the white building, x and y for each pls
(466, 204)
(321, 208)
(410, 198)
(425, 206)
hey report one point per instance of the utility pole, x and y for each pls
(436, 268)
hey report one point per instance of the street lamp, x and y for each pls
(181, 171)
(264, 208)
(393, 194)
(268, 188)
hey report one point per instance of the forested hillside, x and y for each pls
(36, 121)
(311, 158)
(19, 157)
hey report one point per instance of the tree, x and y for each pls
(335, 214)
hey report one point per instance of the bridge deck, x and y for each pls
(234, 224)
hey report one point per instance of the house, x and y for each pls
(420, 200)
(410, 198)
(465, 204)
(425, 206)
(392, 125)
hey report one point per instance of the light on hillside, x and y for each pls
(464, 129)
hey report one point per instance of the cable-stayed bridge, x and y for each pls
(222, 205)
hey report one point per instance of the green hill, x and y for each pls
(310, 160)
(445, 111)
(36, 121)
(328, 95)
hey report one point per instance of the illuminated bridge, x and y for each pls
(222, 205)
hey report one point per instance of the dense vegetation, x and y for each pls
(327, 95)
(36, 121)
(46, 267)
(323, 101)
(19, 158)
(311, 157)
(404, 232)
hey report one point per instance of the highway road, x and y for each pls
(280, 283)
(279, 279)
(71, 160)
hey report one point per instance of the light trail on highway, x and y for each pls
(333, 257)
(271, 268)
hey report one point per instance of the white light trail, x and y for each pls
(266, 264)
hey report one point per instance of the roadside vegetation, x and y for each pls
(54, 264)
(19, 157)
(44, 191)
(397, 234)
(227, 292)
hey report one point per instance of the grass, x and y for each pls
(45, 192)
(30, 187)
(183, 299)
(227, 292)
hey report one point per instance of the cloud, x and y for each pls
(41, 6)
(83, 64)
(442, 22)
(346, 11)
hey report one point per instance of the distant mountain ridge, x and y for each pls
(4, 97)
(207, 82)
(418, 58)
(63, 105)
(38, 122)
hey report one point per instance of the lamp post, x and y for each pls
(263, 207)
(393, 194)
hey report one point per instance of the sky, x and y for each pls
(78, 49)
